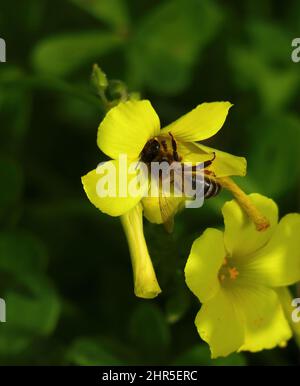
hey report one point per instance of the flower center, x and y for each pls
(228, 272)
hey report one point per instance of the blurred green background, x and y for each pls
(64, 267)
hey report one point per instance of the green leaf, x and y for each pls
(32, 310)
(114, 12)
(265, 66)
(91, 352)
(37, 311)
(11, 178)
(62, 54)
(15, 109)
(21, 253)
(149, 330)
(33, 306)
(275, 87)
(168, 42)
(200, 355)
(177, 304)
(270, 40)
(12, 342)
(273, 156)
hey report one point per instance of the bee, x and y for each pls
(156, 150)
(150, 151)
(211, 187)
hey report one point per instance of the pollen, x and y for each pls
(228, 272)
(233, 272)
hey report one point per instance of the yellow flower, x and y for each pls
(238, 275)
(145, 282)
(127, 128)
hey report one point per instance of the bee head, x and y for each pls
(150, 150)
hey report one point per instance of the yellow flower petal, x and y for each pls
(105, 179)
(278, 262)
(289, 306)
(240, 235)
(201, 123)
(152, 209)
(190, 152)
(127, 127)
(225, 164)
(145, 282)
(203, 264)
(218, 324)
(153, 206)
(262, 316)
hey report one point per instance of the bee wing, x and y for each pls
(169, 206)
(166, 212)
(191, 178)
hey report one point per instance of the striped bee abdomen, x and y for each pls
(211, 187)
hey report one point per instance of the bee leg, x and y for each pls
(164, 144)
(206, 164)
(209, 173)
(214, 156)
(174, 147)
